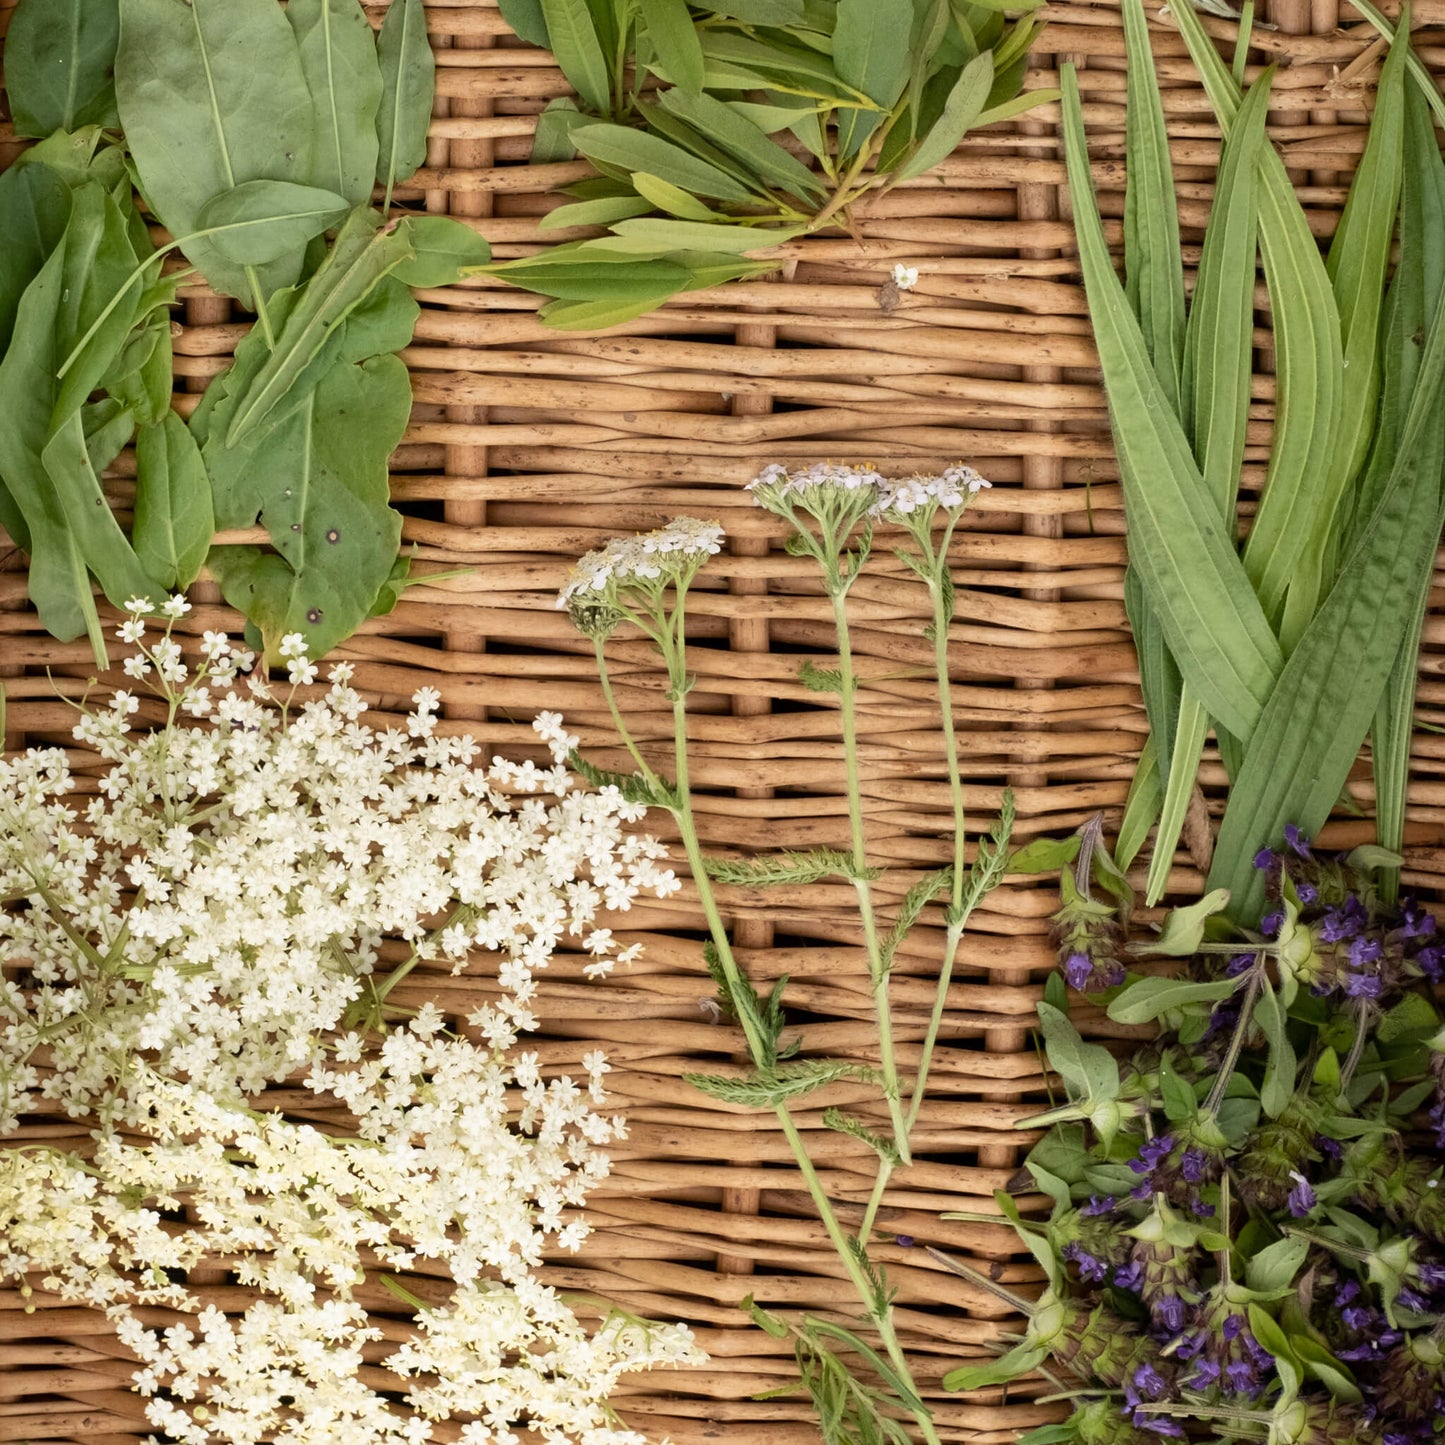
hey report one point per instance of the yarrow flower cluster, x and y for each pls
(235, 906)
(648, 559)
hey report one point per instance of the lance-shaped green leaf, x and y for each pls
(870, 53)
(60, 63)
(1309, 363)
(1018, 1361)
(1301, 753)
(34, 209)
(1218, 367)
(339, 61)
(737, 135)
(526, 18)
(962, 110)
(1146, 1000)
(677, 55)
(627, 150)
(572, 38)
(1277, 1088)
(173, 517)
(761, 12)
(778, 66)
(212, 95)
(1211, 619)
(408, 85)
(1183, 929)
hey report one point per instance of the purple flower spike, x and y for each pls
(1266, 858)
(1432, 962)
(1129, 1276)
(1206, 1374)
(1269, 925)
(1192, 1164)
(1233, 1324)
(1149, 1382)
(1168, 1311)
(1307, 893)
(1092, 1269)
(1364, 985)
(1301, 1198)
(1242, 1376)
(1240, 963)
(1298, 843)
(1097, 1206)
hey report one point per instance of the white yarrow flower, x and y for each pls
(905, 278)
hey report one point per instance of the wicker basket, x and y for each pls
(527, 447)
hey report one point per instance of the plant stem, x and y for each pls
(880, 1183)
(759, 1048)
(861, 885)
(1221, 1081)
(957, 918)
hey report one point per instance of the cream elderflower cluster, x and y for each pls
(214, 920)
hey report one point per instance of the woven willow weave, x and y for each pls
(528, 447)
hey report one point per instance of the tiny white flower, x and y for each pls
(905, 278)
(175, 606)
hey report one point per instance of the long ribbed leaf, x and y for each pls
(1159, 678)
(1211, 619)
(1417, 284)
(1301, 753)
(1309, 364)
(1142, 805)
(1218, 364)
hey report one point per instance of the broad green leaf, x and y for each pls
(1212, 622)
(261, 221)
(1300, 755)
(526, 19)
(107, 427)
(140, 377)
(1144, 1001)
(1275, 1266)
(443, 250)
(332, 526)
(654, 234)
(631, 150)
(1176, 1093)
(961, 111)
(34, 208)
(1153, 266)
(77, 157)
(173, 517)
(677, 55)
(573, 40)
(408, 86)
(60, 64)
(212, 95)
(742, 140)
(339, 61)
(1089, 1070)
(870, 53)
(601, 212)
(1332, 1373)
(1309, 362)
(1183, 929)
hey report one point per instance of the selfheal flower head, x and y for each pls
(1301, 1199)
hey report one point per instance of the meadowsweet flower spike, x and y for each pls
(231, 910)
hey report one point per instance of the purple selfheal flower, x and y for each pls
(1206, 1375)
(1357, 1317)
(1159, 1424)
(1346, 921)
(1364, 951)
(905, 1240)
(1168, 1313)
(1129, 1276)
(1364, 985)
(1432, 1276)
(1346, 1293)
(1431, 961)
(1141, 1192)
(1413, 1299)
(1240, 963)
(1233, 1324)
(1078, 969)
(1416, 923)
(1330, 1148)
(1092, 1269)
(1243, 1377)
(1302, 1197)
(1097, 1206)
(1298, 843)
(1269, 925)
(1153, 1152)
(1265, 858)
(1192, 1165)
(1199, 1208)
(1258, 1353)
(1307, 893)
(1191, 1345)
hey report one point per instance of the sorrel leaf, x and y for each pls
(332, 526)
(60, 65)
(199, 119)
(408, 86)
(1211, 619)
(260, 221)
(174, 522)
(442, 249)
(339, 61)
(34, 209)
